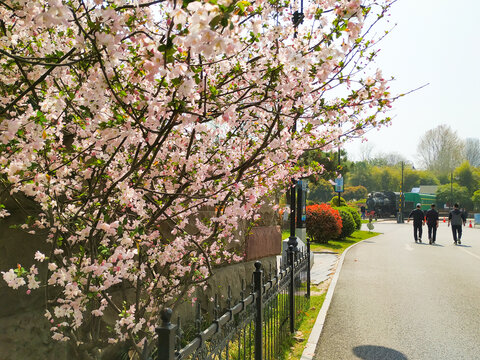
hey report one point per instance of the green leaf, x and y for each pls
(215, 21)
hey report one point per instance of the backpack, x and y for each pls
(456, 218)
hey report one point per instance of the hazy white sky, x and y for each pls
(435, 42)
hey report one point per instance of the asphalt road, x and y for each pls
(397, 300)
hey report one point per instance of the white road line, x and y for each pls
(474, 255)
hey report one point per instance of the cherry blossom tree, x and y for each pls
(147, 131)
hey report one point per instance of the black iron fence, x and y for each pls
(256, 327)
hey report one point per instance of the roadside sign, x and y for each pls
(339, 184)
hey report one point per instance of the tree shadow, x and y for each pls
(373, 352)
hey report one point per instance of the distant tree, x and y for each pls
(320, 192)
(366, 151)
(476, 200)
(472, 151)
(360, 174)
(355, 192)
(411, 179)
(427, 178)
(444, 178)
(415, 178)
(447, 194)
(389, 159)
(389, 179)
(465, 176)
(440, 150)
(327, 163)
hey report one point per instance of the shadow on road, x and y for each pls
(372, 352)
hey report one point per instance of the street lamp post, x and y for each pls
(339, 170)
(292, 239)
(400, 214)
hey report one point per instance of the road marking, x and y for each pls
(474, 255)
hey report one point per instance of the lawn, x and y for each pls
(339, 246)
(293, 349)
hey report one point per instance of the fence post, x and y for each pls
(291, 288)
(258, 289)
(308, 268)
(166, 336)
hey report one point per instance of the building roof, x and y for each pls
(428, 189)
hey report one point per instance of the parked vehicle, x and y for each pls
(387, 203)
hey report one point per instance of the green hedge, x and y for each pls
(356, 216)
(334, 201)
(348, 223)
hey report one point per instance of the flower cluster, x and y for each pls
(149, 133)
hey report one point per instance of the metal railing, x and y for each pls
(255, 327)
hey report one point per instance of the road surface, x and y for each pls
(398, 300)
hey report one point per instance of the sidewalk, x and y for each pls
(328, 266)
(323, 267)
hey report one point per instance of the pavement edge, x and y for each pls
(309, 351)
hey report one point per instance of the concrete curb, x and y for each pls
(309, 351)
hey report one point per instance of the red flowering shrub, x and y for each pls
(323, 223)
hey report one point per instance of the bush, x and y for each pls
(334, 201)
(323, 223)
(348, 223)
(356, 216)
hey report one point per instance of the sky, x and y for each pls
(435, 42)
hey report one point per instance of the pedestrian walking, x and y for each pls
(418, 221)
(431, 218)
(457, 219)
(362, 211)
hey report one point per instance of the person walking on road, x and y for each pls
(457, 219)
(362, 210)
(418, 221)
(432, 223)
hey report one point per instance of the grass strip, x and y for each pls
(294, 347)
(339, 245)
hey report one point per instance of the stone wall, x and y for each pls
(24, 331)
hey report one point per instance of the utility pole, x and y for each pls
(451, 190)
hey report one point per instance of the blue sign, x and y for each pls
(339, 184)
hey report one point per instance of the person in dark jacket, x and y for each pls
(431, 218)
(362, 211)
(457, 219)
(418, 221)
